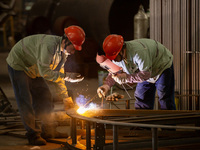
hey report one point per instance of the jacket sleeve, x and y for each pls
(138, 77)
(109, 80)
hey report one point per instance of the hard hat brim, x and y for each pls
(111, 57)
(78, 47)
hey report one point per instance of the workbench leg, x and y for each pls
(154, 138)
(73, 131)
(127, 104)
(88, 136)
(99, 137)
(115, 137)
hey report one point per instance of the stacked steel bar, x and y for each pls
(176, 23)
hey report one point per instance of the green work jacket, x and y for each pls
(38, 56)
(146, 55)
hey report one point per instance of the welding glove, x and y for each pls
(114, 97)
(73, 77)
(120, 77)
(102, 90)
(68, 103)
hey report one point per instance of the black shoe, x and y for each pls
(36, 140)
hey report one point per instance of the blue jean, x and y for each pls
(33, 97)
(145, 92)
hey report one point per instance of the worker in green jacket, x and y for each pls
(33, 60)
(143, 61)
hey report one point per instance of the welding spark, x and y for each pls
(81, 110)
(85, 104)
(91, 106)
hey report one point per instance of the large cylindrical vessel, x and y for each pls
(141, 24)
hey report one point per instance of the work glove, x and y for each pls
(120, 77)
(73, 77)
(102, 90)
(114, 97)
(68, 103)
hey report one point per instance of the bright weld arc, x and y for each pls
(83, 109)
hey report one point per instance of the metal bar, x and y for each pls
(129, 112)
(155, 116)
(126, 91)
(176, 47)
(99, 136)
(187, 95)
(168, 120)
(162, 143)
(152, 19)
(185, 38)
(198, 57)
(197, 26)
(90, 100)
(128, 104)
(102, 102)
(193, 43)
(73, 131)
(188, 46)
(158, 20)
(128, 101)
(114, 105)
(154, 138)
(115, 137)
(73, 113)
(88, 135)
(129, 86)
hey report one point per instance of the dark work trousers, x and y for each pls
(33, 98)
(145, 92)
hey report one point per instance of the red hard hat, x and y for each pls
(76, 35)
(112, 45)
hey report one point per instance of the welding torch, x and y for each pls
(112, 68)
(88, 102)
(119, 71)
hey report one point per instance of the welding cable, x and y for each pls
(126, 91)
(89, 100)
(129, 86)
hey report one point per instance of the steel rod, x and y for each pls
(128, 101)
(115, 137)
(73, 131)
(157, 116)
(154, 138)
(126, 91)
(130, 112)
(89, 100)
(73, 113)
(88, 135)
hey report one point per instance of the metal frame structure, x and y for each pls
(152, 119)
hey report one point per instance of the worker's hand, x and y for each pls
(120, 77)
(73, 77)
(68, 103)
(102, 90)
(114, 97)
